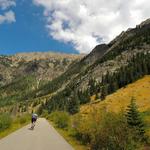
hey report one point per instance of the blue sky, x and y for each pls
(28, 33)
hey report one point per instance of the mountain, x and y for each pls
(73, 71)
(64, 82)
(44, 66)
(46, 56)
(121, 99)
(107, 68)
(108, 57)
(23, 73)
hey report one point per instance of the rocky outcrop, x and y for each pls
(44, 66)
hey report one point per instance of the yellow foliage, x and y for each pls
(118, 101)
(93, 98)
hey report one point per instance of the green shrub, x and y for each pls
(60, 118)
(113, 133)
(45, 114)
(25, 118)
(135, 121)
(22, 120)
(104, 131)
(81, 128)
(5, 121)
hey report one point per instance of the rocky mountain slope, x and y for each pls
(120, 51)
(126, 55)
(44, 66)
(121, 99)
(108, 57)
(72, 80)
(23, 73)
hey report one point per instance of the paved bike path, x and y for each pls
(43, 137)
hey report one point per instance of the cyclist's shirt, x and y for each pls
(34, 116)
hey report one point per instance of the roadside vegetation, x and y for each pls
(9, 124)
(103, 130)
(62, 123)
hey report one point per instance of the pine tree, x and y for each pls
(73, 104)
(92, 86)
(134, 120)
(104, 92)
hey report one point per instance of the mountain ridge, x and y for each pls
(98, 72)
(45, 55)
(134, 44)
(50, 64)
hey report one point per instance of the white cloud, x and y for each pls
(4, 4)
(86, 23)
(8, 16)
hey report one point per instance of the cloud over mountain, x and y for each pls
(86, 23)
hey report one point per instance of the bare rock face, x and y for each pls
(144, 23)
(110, 57)
(97, 53)
(117, 53)
(45, 56)
(44, 66)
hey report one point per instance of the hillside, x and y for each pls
(45, 55)
(108, 57)
(45, 66)
(119, 100)
(70, 82)
(73, 71)
(103, 71)
(23, 73)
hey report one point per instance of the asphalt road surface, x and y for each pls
(43, 137)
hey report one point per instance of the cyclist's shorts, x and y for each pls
(33, 120)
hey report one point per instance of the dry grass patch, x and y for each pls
(140, 90)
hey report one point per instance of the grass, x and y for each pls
(16, 124)
(146, 118)
(119, 100)
(70, 139)
(116, 102)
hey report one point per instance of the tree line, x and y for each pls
(71, 97)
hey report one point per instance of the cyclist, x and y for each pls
(33, 120)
